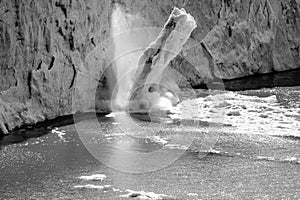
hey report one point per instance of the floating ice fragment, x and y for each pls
(116, 190)
(95, 177)
(291, 159)
(145, 195)
(159, 140)
(111, 115)
(90, 186)
(192, 194)
(60, 133)
(213, 151)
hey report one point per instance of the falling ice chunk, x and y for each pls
(147, 91)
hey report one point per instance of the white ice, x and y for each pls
(245, 114)
(94, 177)
(144, 195)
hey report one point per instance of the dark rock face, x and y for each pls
(43, 50)
(264, 41)
(50, 63)
(237, 38)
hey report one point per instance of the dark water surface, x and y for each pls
(279, 79)
(47, 162)
(241, 167)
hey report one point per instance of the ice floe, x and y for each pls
(192, 194)
(94, 177)
(91, 186)
(111, 115)
(291, 159)
(146, 195)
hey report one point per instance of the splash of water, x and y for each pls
(130, 40)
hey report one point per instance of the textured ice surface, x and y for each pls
(244, 113)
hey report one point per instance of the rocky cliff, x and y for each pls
(236, 38)
(51, 64)
(44, 45)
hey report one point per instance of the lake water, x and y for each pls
(51, 161)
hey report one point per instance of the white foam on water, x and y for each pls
(94, 177)
(159, 140)
(144, 195)
(60, 134)
(129, 44)
(246, 114)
